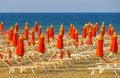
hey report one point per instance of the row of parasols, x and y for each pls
(89, 32)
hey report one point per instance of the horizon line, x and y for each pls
(59, 12)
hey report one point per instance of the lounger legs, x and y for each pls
(33, 70)
(45, 68)
(55, 65)
(93, 72)
(11, 70)
(115, 71)
(67, 65)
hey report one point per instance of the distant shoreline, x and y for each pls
(63, 12)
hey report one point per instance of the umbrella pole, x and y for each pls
(115, 57)
(100, 60)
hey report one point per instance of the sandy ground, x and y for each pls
(76, 70)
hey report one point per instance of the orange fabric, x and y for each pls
(51, 32)
(10, 54)
(89, 41)
(70, 29)
(96, 27)
(60, 42)
(16, 27)
(27, 25)
(1, 26)
(31, 58)
(84, 34)
(25, 33)
(41, 45)
(54, 55)
(69, 43)
(32, 38)
(36, 26)
(1, 56)
(89, 37)
(93, 32)
(76, 39)
(73, 33)
(28, 43)
(68, 53)
(47, 35)
(39, 31)
(102, 32)
(62, 30)
(114, 45)
(88, 27)
(8, 63)
(109, 30)
(81, 43)
(20, 47)
(61, 54)
(99, 51)
(4, 32)
(112, 31)
(10, 36)
(14, 39)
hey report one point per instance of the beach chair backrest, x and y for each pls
(19, 60)
(31, 59)
(8, 63)
(104, 60)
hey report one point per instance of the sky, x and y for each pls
(59, 5)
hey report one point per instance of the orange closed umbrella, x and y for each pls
(60, 41)
(47, 35)
(84, 34)
(32, 37)
(36, 26)
(27, 24)
(114, 44)
(90, 37)
(16, 27)
(88, 26)
(109, 29)
(102, 32)
(60, 44)
(26, 31)
(93, 31)
(20, 46)
(62, 29)
(39, 31)
(52, 32)
(1, 26)
(73, 33)
(14, 39)
(41, 44)
(70, 29)
(99, 51)
(96, 27)
(103, 26)
(10, 36)
(76, 38)
(112, 31)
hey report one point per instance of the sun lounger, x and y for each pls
(21, 67)
(43, 63)
(106, 65)
(102, 68)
